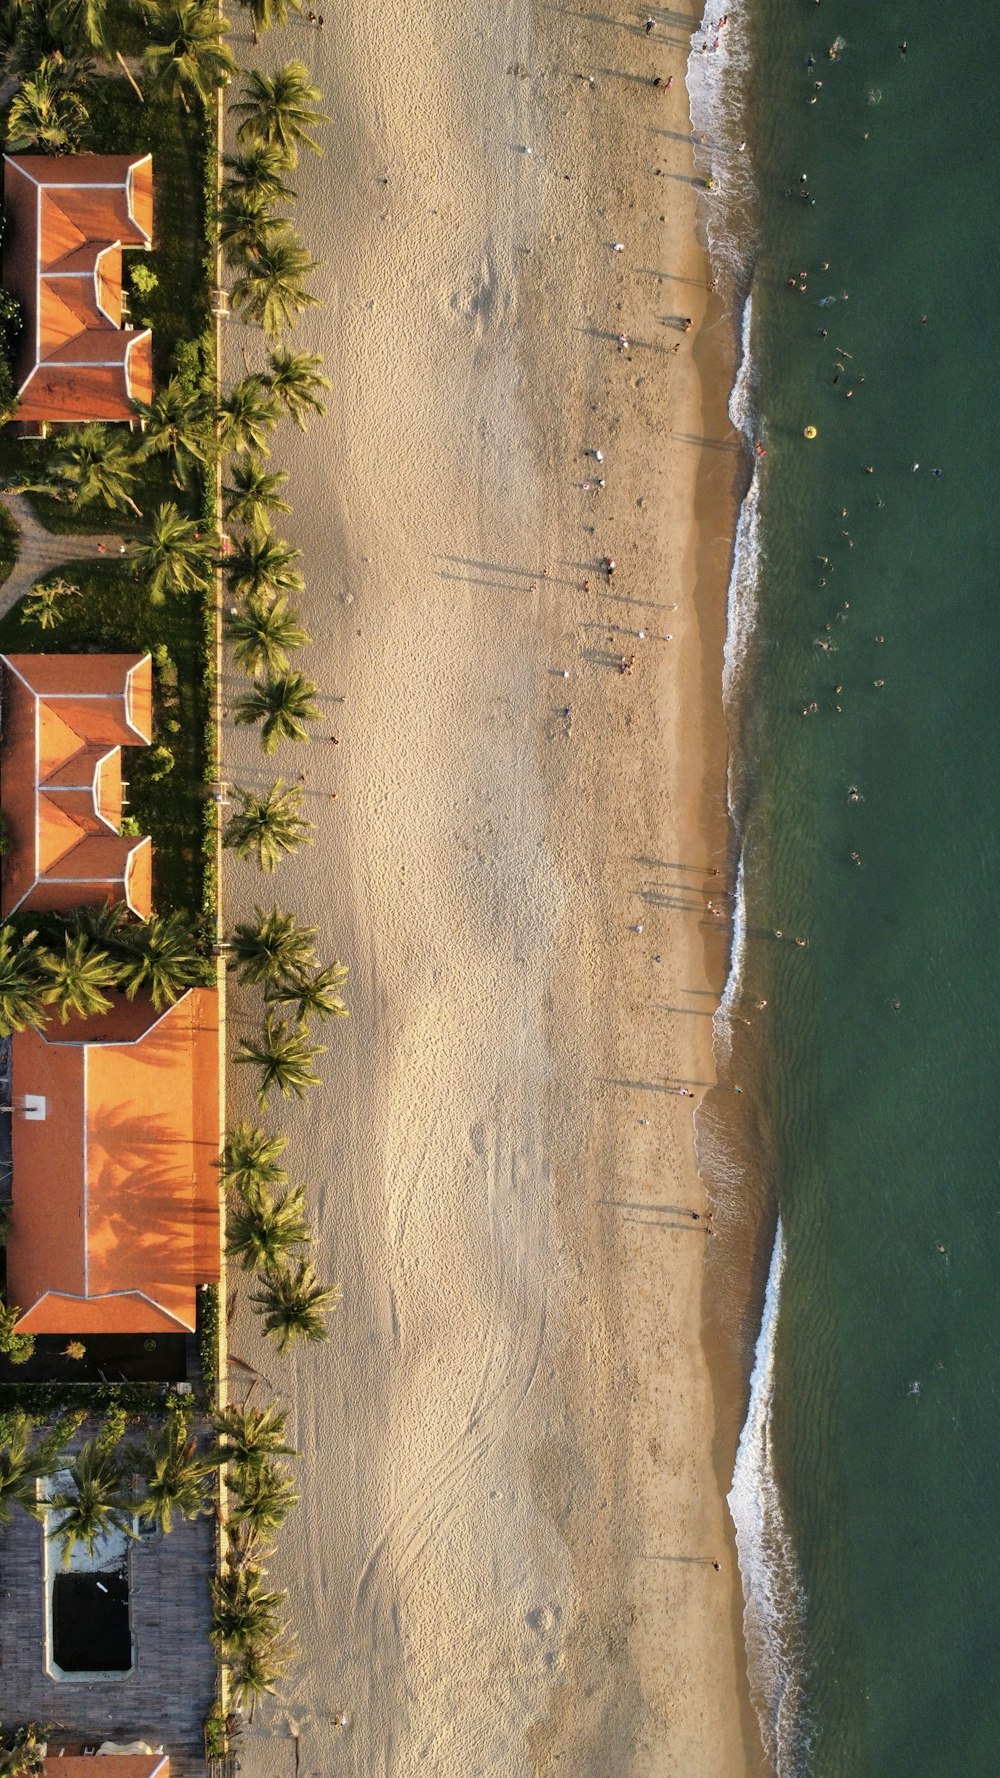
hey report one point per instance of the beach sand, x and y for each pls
(511, 1448)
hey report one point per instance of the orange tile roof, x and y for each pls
(120, 1765)
(115, 1218)
(67, 219)
(65, 720)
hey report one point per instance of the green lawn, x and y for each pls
(114, 614)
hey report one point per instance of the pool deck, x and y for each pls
(170, 1692)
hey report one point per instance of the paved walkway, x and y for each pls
(42, 552)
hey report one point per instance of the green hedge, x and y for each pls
(209, 1310)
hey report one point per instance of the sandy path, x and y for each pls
(503, 1560)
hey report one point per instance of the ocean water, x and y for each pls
(863, 786)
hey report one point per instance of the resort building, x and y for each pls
(115, 1214)
(65, 719)
(107, 1762)
(66, 220)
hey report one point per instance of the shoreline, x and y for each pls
(518, 1396)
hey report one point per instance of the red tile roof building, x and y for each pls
(115, 1218)
(65, 718)
(67, 218)
(105, 1765)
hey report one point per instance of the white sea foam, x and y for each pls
(717, 81)
(772, 1591)
(722, 1027)
(741, 623)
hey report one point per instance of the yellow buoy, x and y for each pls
(810, 432)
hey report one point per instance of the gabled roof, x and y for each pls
(117, 1765)
(67, 218)
(115, 1218)
(65, 718)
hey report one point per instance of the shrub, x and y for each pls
(17, 1347)
(216, 1736)
(144, 279)
(208, 1335)
(161, 761)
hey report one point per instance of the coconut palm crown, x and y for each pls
(271, 288)
(94, 1502)
(176, 1477)
(254, 493)
(267, 827)
(262, 1230)
(250, 1158)
(296, 380)
(176, 556)
(285, 1056)
(295, 1304)
(187, 55)
(264, 631)
(247, 1436)
(280, 109)
(283, 705)
(271, 947)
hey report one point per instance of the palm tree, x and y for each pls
(254, 493)
(250, 1157)
(175, 555)
(188, 54)
(271, 288)
(94, 1503)
(161, 957)
(264, 631)
(176, 1477)
(279, 110)
(22, 984)
(246, 1436)
(267, 827)
(246, 223)
(257, 172)
(284, 1056)
(255, 1672)
(316, 993)
(271, 947)
(295, 1304)
(247, 416)
(46, 607)
(89, 465)
(19, 1470)
(245, 1615)
(103, 924)
(266, 1497)
(177, 424)
(262, 1230)
(296, 380)
(282, 704)
(77, 977)
(47, 111)
(83, 24)
(263, 564)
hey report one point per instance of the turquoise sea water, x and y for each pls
(869, 1537)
